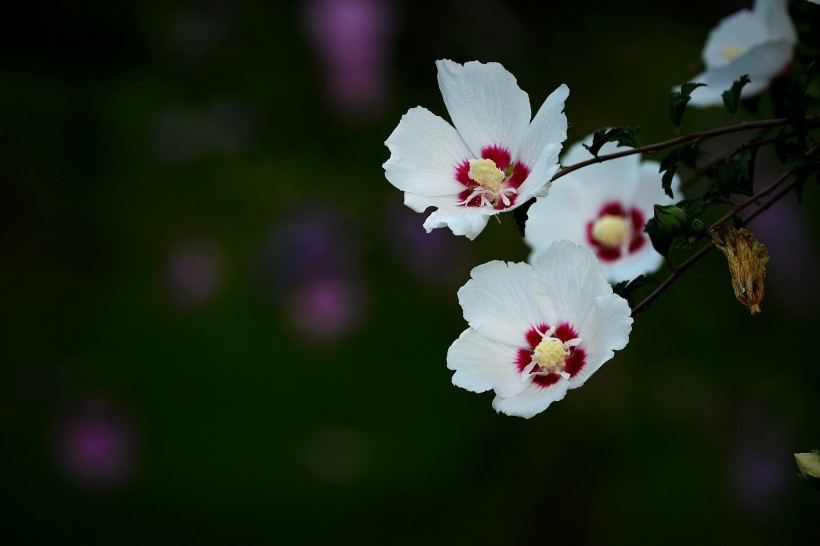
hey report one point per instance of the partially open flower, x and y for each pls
(605, 207)
(537, 330)
(756, 42)
(493, 160)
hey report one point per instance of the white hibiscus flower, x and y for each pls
(493, 160)
(605, 207)
(537, 330)
(756, 42)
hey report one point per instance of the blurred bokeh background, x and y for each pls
(220, 324)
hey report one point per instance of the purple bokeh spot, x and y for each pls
(310, 265)
(352, 41)
(94, 447)
(307, 242)
(326, 309)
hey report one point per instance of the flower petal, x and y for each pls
(467, 221)
(485, 103)
(498, 301)
(568, 276)
(424, 150)
(482, 364)
(760, 63)
(608, 331)
(532, 401)
(742, 29)
(561, 215)
(548, 127)
(610, 180)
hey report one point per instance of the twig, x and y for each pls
(677, 272)
(690, 137)
(703, 169)
(753, 199)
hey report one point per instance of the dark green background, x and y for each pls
(247, 429)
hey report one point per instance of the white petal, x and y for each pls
(467, 221)
(761, 63)
(742, 29)
(548, 127)
(649, 190)
(606, 332)
(532, 401)
(424, 152)
(563, 214)
(485, 103)
(568, 279)
(419, 203)
(481, 364)
(537, 183)
(776, 15)
(612, 180)
(498, 301)
(630, 266)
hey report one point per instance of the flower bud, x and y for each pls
(671, 219)
(747, 259)
(809, 466)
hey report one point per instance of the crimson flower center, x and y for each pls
(551, 353)
(491, 180)
(616, 231)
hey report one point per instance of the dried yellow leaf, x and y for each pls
(747, 259)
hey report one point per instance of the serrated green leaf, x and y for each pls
(679, 99)
(736, 175)
(624, 136)
(731, 97)
(685, 155)
(794, 105)
(625, 289)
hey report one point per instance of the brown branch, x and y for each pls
(677, 272)
(703, 169)
(690, 137)
(753, 199)
(765, 206)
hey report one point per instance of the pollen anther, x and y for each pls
(610, 230)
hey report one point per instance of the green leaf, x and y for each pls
(795, 102)
(661, 239)
(679, 99)
(624, 136)
(803, 164)
(669, 164)
(731, 97)
(736, 175)
(626, 288)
